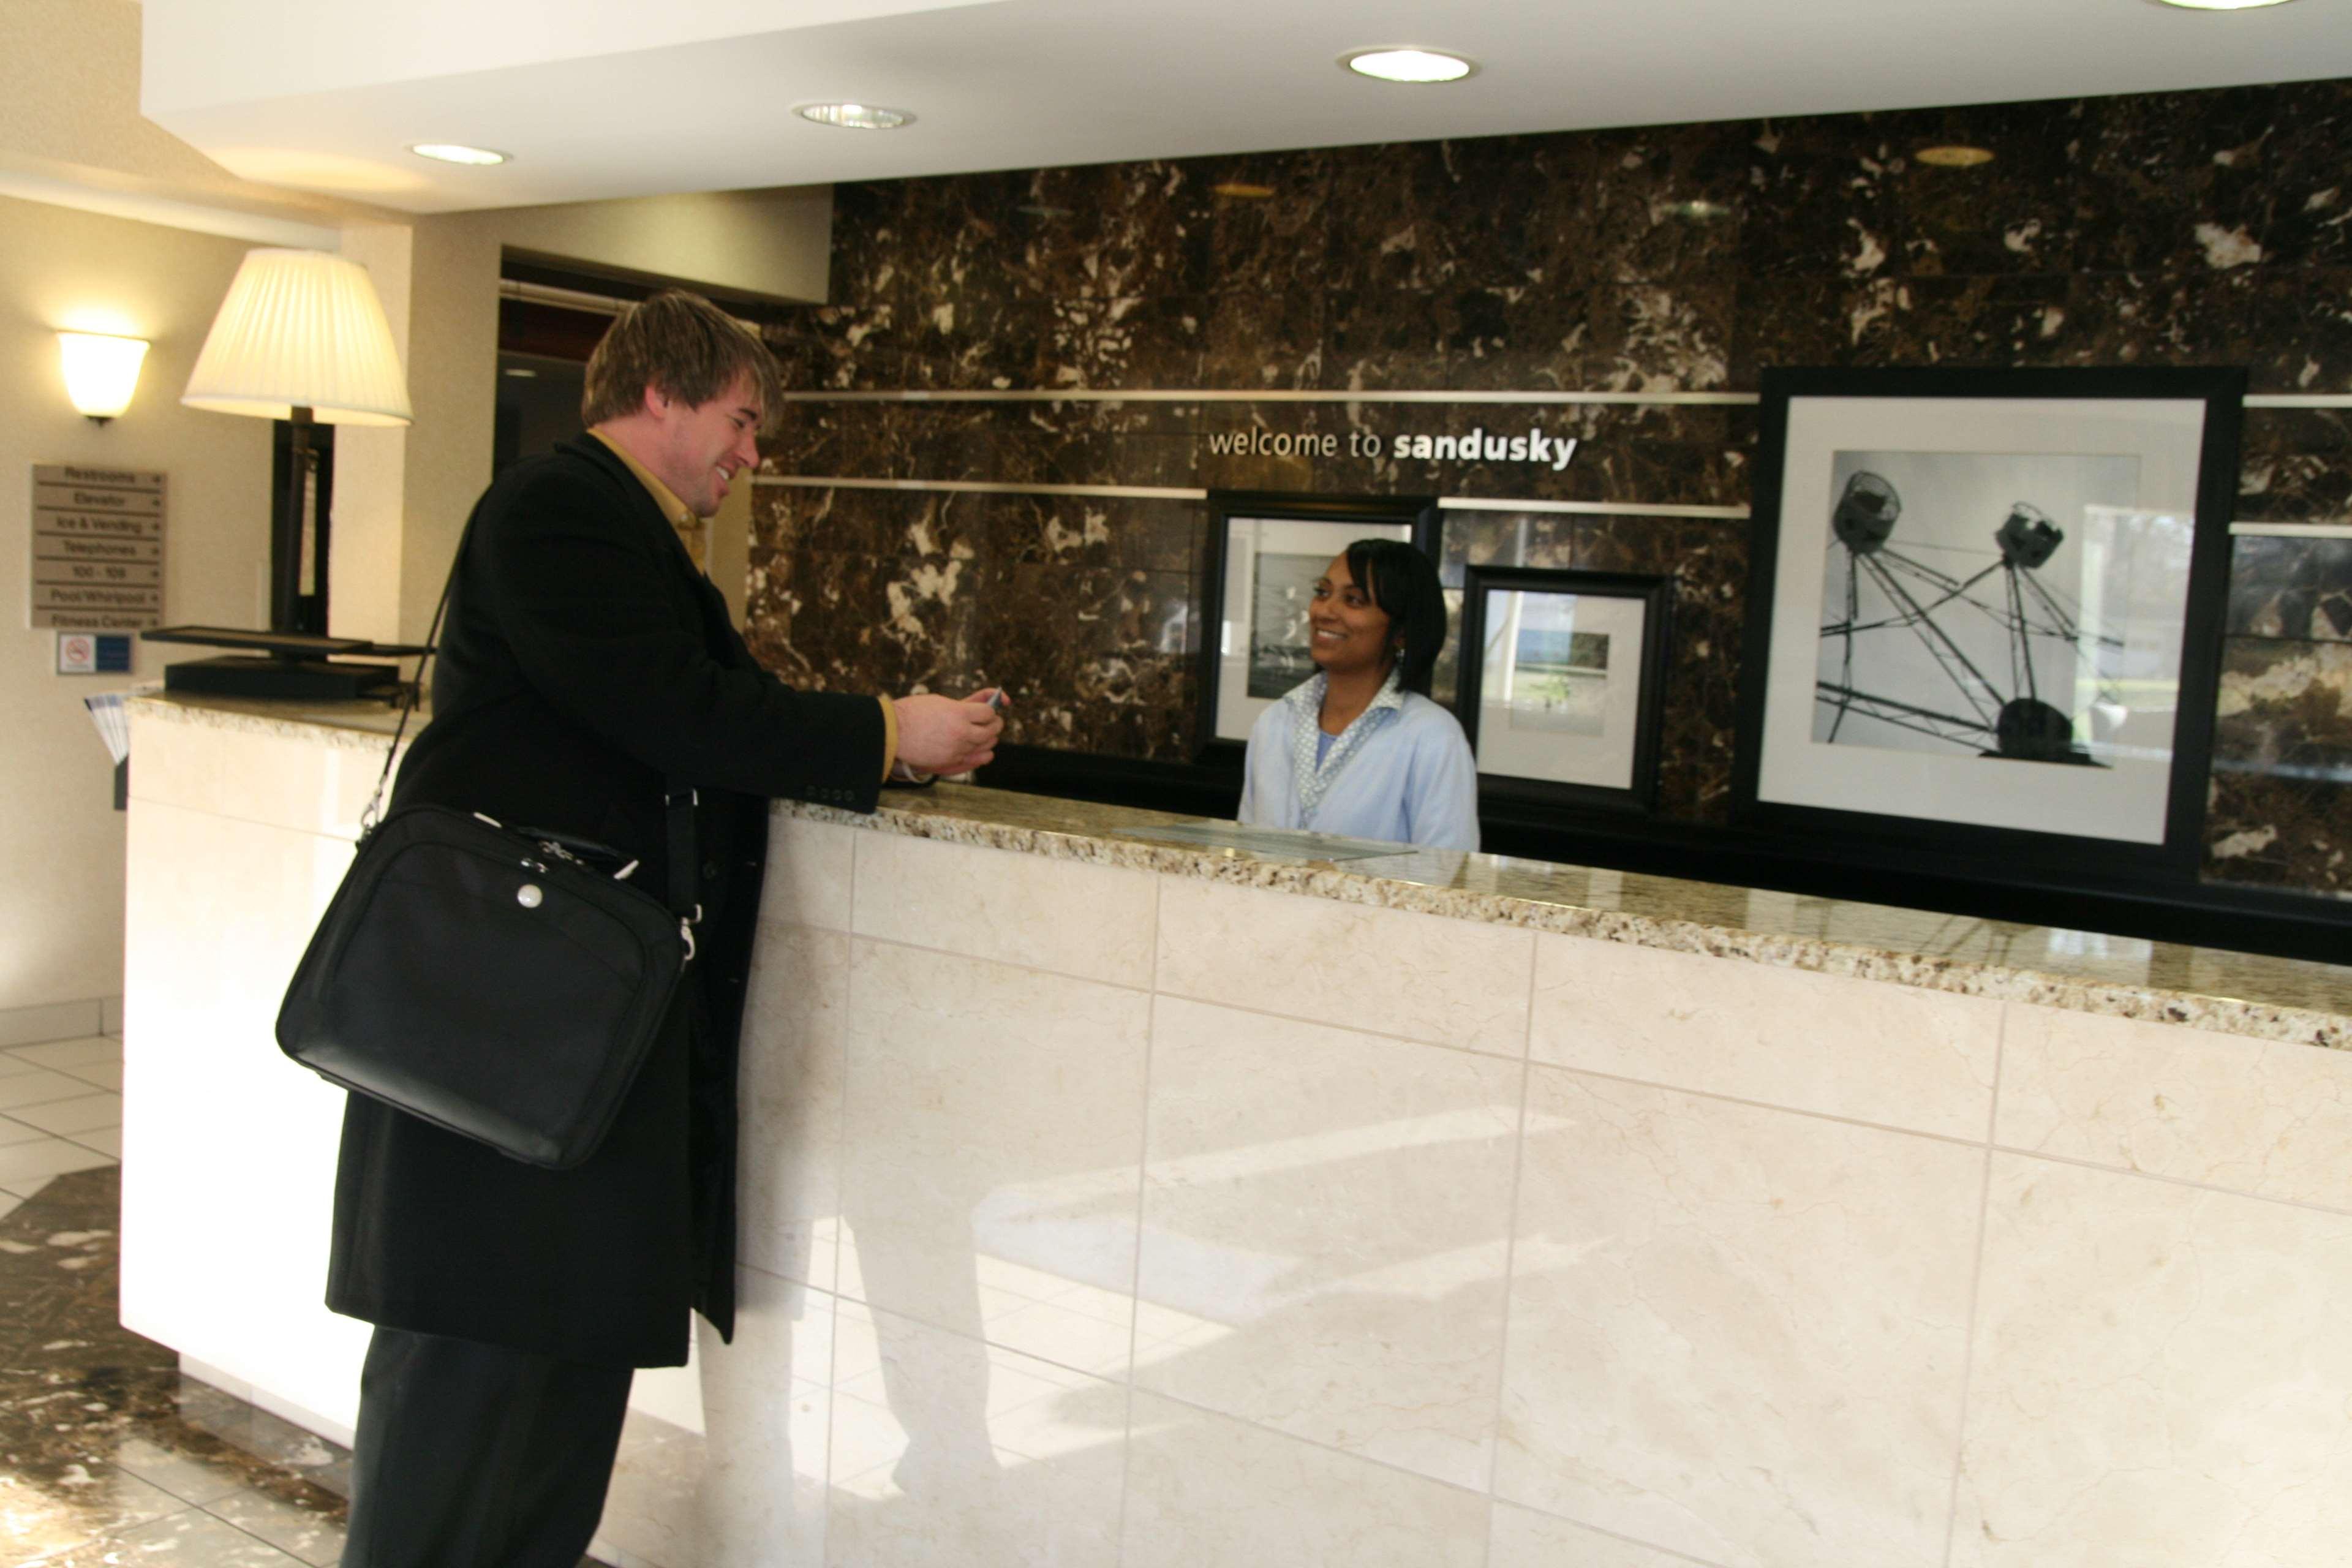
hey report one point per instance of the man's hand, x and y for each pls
(941, 735)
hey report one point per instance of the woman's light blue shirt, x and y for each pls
(1409, 780)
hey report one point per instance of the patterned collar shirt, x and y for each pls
(1401, 772)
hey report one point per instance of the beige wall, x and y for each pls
(772, 244)
(363, 563)
(60, 839)
(402, 496)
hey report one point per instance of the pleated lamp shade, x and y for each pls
(301, 329)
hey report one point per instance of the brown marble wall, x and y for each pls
(2281, 811)
(2169, 229)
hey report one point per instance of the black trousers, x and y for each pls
(473, 1456)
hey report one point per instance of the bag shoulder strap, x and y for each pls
(415, 690)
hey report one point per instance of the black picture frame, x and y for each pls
(1655, 594)
(1416, 515)
(2051, 416)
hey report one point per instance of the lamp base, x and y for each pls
(298, 679)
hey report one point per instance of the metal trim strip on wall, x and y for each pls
(1588, 508)
(983, 487)
(2294, 530)
(1204, 395)
(1448, 503)
(1170, 492)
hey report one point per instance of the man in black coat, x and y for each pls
(586, 667)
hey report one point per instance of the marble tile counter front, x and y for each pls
(1111, 1203)
(1114, 1203)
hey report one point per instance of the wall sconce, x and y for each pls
(101, 372)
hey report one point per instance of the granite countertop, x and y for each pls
(2231, 993)
(364, 725)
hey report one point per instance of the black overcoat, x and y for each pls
(583, 662)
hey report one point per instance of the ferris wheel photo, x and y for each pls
(1990, 599)
(1975, 603)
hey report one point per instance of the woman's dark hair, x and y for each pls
(1401, 581)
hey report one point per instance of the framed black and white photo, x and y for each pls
(1265, 554)
(1985, 610)
(1562, 679)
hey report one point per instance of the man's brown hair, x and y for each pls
(684, 347)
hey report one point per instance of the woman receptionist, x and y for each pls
(1359, 750)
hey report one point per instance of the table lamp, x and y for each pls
(303, 337)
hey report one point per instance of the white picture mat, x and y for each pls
(1606, 759)
(2124, 803)
(1244, 538)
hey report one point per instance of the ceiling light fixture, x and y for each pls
(455, 153)
(2218, 4)
(1954, 157)
(854, 116)
(1408, 64)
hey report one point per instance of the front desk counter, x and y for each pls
(1113, 1201)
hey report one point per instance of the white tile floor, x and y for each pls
(60, 1110)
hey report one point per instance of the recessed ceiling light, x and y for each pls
(1240, 191)
(453, 152)
(516, 370)
(1954, 157)
(1408, 64)
(2218, 4)
(855, 116)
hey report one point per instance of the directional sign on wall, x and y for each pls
(98, 548)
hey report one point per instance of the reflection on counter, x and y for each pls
(1461, 1238)
(2246, 994)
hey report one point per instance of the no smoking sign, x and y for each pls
(93, 653)
(77, 653)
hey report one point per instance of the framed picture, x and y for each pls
(1562, 679)
(1985, 612)
(1266, 551)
